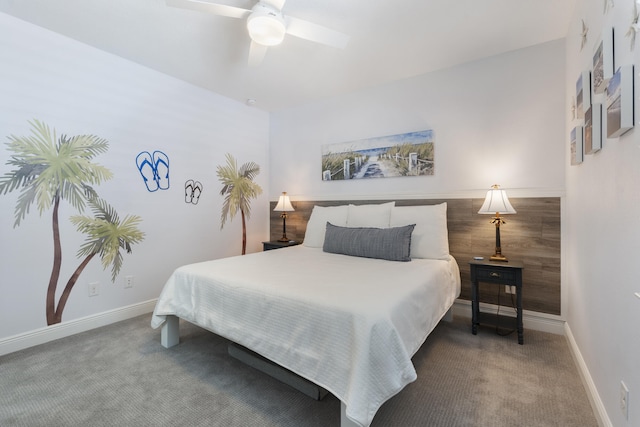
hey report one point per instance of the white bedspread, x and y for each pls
(348, 324)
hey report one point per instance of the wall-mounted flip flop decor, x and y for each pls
(154, 169)
(192, 191)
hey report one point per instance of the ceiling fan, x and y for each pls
(267, 25)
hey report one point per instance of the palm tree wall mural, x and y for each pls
(238, 188)
(49, 170)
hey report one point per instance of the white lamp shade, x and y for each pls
(284, 204)
(266, 25)
(496, 201)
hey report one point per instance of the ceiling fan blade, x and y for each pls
(256, 53)
(205, 6)
(316, 33)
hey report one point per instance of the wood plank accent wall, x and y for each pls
(532, 235)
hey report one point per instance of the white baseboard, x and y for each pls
(65, 329)
(592, 392)
(531, 320)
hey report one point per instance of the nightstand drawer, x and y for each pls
(490, 274)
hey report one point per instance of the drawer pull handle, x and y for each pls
(494, 274)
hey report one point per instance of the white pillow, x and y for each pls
(430, 238)
(377, 216)
(317, 225)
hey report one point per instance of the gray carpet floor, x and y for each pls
(120, 375)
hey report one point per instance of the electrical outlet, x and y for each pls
(128, 282)
(509, 289)
(624, 400)
(94, 289)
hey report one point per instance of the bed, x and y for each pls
(327, 310)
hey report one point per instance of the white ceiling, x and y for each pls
(390, 40)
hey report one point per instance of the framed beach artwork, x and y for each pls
(620, 102)
(603, 62)
(577, 155)
(406, 154)
(583, 94)
(593, 129)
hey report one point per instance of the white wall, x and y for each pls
(77, 89)
(498, 120)
(603, 227)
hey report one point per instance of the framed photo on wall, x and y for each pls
(577, 155)
(583, 94)
(401, 155)
(603, 62)
(593, 129)
(620, 102)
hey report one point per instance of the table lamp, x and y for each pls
(284, 206)
(496, 202)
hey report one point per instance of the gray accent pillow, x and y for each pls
(392, 244)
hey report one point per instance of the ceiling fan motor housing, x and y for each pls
(266, 25)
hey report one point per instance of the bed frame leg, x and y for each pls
(448, 316)
(344, 421)
(170, 332)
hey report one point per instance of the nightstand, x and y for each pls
(275, 244)
(499, 273)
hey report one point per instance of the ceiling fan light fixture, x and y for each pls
(266, 25)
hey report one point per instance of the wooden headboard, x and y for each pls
(532, 235)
